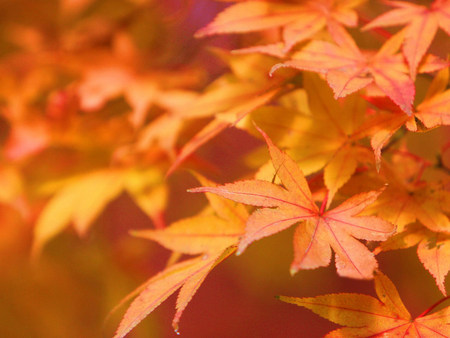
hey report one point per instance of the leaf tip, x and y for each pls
(171, 170)
(378, 165)
(242, 246)
(283, 298)
(275, 68)
(134, 233)
(176, 329)
(201, 33)
(146, 234)
(375, 252)
(194, 190)
(262, 132)
(293, 270)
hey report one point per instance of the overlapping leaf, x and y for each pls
(383, 126)
(432, 112)
(408, 198)
(229, 99)
(435, 108)
(298, 21)
(213, 235)
(187, 275)
(205, 233)
(433, 250)
(348, 69)
(422, 25)
(102, 83)
(318, 131)
(418, 208)
(248, 103)
(365, 316)
(321, 230)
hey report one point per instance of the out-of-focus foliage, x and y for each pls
(105, 103)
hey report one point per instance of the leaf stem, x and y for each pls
(433, 306)
(324, 203)
(380, 31)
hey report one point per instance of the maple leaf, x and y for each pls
(317, 131)
(435, 257)
(422, 25)
(213, 235)
(26, 140)
(229, 99)
(321, 231)
(348, 69)
(299, 22)
(187, 275)
(82, 198)
(204, 233)
(119, 72)
(434, 110)
(274, 49)
(163, 131)
(408, 198)
(383, 126)
(195, 235)
(81, 201)
(103, 83)
(148, 190)
(216, 126)
(433, 250)
(365, 316)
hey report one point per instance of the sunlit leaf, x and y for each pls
(366, 316)
(336, 228)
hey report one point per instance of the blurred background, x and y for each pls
(80, 82)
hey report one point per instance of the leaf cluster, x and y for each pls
(332, 91)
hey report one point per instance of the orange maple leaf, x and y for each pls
(102, 83)
(229, 99)
(209, 232)
(187, 275)
(408, 198)
(367, 316)
(432, 112)
(213, 234)
(318, 131)
(322, 230)
(81, 199)
(216, 126)
(422, 25)
(435, 108)
(433, 250)
(298, 21)
(348, 69)
(383, 126)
